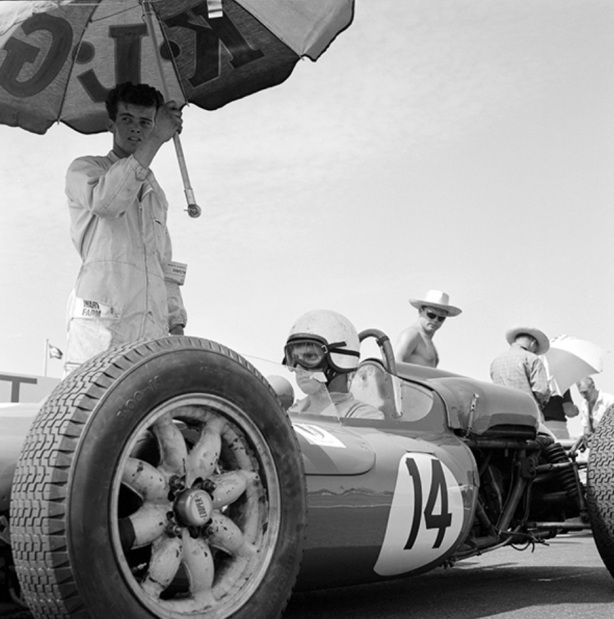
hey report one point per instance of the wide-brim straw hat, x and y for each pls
(437, 299)
(543, 344)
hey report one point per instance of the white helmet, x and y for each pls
(335, 336)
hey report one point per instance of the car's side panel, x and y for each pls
(332, 450)
(406, 513)
(478, 407)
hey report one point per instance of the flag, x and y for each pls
(55, 352)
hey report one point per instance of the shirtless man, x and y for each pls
(415, 344)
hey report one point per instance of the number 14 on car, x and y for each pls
(426, 515)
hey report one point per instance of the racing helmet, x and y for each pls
(323, 339)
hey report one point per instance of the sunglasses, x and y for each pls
(433, 316)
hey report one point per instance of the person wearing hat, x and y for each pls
(415, 344)
(520, 366)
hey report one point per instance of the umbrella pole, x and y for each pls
(193, 209)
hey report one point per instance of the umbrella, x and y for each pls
(569, 359)
(59, 58)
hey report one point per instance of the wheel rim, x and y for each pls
(195, 508)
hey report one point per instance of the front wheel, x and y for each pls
(600, 488)
(160, 480)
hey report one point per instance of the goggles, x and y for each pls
(312, 353)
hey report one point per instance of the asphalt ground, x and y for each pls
(564, 580)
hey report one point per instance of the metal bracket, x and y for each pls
(473, 406)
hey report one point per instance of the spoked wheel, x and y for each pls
(600, 488)
(160, 480)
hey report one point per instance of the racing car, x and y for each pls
(165, 479)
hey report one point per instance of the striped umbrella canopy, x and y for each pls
(59, 58)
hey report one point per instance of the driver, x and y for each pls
(323, 350)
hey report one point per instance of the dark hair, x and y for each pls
(134, 94)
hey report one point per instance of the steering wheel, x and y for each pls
(383, 341)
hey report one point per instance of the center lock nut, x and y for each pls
(193, 508)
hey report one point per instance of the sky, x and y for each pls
(459, 145)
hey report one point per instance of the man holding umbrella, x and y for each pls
(127, 287)
(520, 366)
(595, 404)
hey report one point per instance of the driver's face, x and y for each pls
(309, 381)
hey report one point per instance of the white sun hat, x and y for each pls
(437, 299)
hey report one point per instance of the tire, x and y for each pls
(600, 488)
(161, 479)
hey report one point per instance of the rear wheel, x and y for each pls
(161, 480)
(600, 488)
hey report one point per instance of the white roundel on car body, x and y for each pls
(426, 515)
(315, 435)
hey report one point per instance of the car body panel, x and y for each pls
(471, 405)
(332, 450)
(408, 510)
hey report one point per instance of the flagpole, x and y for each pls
(46, 355)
